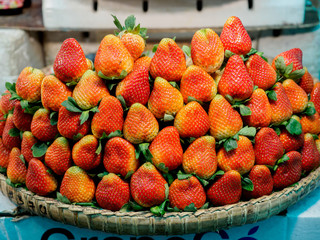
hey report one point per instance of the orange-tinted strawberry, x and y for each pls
(268, 148)
(17, 170)
(235, 80)
(240, 159)
(135, 87)
(261, 72)
(310, 124)
(109, 118)
(29, 84)
(168, 61)
(120, 157)
(21, 120)
(197, 83)
(186, 191)
(70, 63)
(84, 153)
(225, 121)
(281, 108)
(134, 43)
(288, 172)
(147, 186)
(207, 50)
(289, 141)
(306, 82)
(113, 58)
(310, 154)
(317, 141)
(200, 157)
(166, 149)
(58, 156)
(41, 127)
(5, 103)
(8, 140)
(77, 186)
(261, 178)
(297, 96)
(260, 109)
(39, 179)
(235, 37)
(28, 140)
(293, 56)
(192, 120)
(140, 125)
(315, 96)
(226, 190)
(112, 192)
(164, 99)
(69, 124)
(53, 93)
(89, 90)
(144, 61)
(4, 155)
(2, 122)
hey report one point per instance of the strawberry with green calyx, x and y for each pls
(17, 170)
(291, 142)
(310, 154)
(41, 125)
(21, 119)
(310, 124)
(307, 81)
(11, 135)
(2, 122)
(28, 140)
(297, 96)
(8, 99)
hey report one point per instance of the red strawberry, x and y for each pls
(144, 62)
(315, 96)
(289, 141)
(168, 61)
(310, 154)
(6, 104)
(147, 186)
(235, 37)
(17, 170)
(288, 172)
(8, 140)
(293, 56)
(4, 155)
(39, 179)
(2, 122)
(297, 96)
(311, 124)
(70, 63)
(120, 157)
(186, 191)
(166, 149)
(112, 192)
(21, 120)
(268, 148)
(41, 127)
(236, 80)
(28, 140)
(207, 50)
(226, 190)
(306, 82)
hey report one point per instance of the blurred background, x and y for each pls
(32, 31)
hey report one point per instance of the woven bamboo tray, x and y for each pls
(145, 223)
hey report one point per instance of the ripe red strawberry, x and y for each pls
(235, 80)
(164, 99)
(89, 90)
(120, 157)
(28, 84)
(240, 159)
(39, 179)
(69, 124)
(147, 186)
(315, 96)
(53, 93)
(261, 72)
(186, 191)
(140, 125)
(268, 148)
(261, 178)
(288, 172)
(293, 56)
(4, 155)
(226, 190)
(297, 96)
(112, 192)
(207, 50)
(235, 37)
(84, 153)
(311, 124)
(17, 170)
(289, 141)
(77, 186)
(58, 156)
(6, 104)
(21, 120)
(310, 154)
(317, 141)
(306, 82)
(200, 157)
(2, 122)
(168, 61)
(225, 121)
(166, 149)
(70, 63)
(28, 140)
(113, 58)
(281, 108)
(41, 127)
(10, 141)
(192, 120)
(197, 83)
(109, 118)
(144, 62)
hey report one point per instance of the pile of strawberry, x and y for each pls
(205, 125)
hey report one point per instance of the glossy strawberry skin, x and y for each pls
(297, 96)
(293, 56)
(2, 122)
(315, 96)
(41, 127)
(21, 120)
(310, 124)
(9, 141)
(291, 142)
(134, 43)
(144, 62)
(4, 155)
(6, 104)
(310, 154)
(17, 170)
(28, 140)
(307, 82)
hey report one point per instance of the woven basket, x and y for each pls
(145, 223)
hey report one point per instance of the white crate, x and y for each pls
(169, 14)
